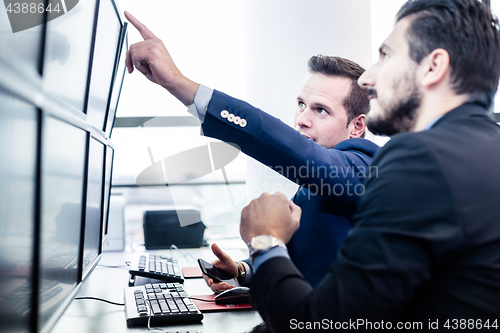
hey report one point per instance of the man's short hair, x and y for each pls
(357, 101)
(468, 31)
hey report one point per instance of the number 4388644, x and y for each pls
(32, 8)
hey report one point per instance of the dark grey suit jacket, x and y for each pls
(426, 240)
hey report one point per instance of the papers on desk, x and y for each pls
(191, 272)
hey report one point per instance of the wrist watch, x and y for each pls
(263, 243)
(242, 273)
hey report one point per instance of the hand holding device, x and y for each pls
(222, 279)
(225, 263)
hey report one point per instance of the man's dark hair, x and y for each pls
(357, 101)
(468, 31)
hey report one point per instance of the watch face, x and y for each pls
(261, 242)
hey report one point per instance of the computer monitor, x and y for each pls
(108, 175)
(93, 213)
(118, 83)
(64, 150)
(19, 122)
(108, 35)
(25, 45)
(68, 53)
(54, 168)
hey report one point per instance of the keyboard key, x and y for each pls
(155, 307)
(164, 307)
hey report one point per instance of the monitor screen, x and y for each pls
(106, 43)
(117, 86)
(18, 165)
(67, 54)
(95, 176)
(24, 45)
(64, 150)
(107, 188)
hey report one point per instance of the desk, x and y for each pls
(90, 316)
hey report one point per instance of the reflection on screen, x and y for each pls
(67, 53)
(18, 141)
(63, 159)
(94, 202)
(25, 45)
(108, 33)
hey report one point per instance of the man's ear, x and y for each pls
(357, 126)
(434, 68)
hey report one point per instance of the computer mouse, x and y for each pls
(237, 295)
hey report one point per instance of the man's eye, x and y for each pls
(322, 111)
(302, 105)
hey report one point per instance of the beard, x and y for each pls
(400, 114)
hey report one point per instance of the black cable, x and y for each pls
(110, 266)
(127, 264)
(198, 299)
(100, 299)
(181, 297)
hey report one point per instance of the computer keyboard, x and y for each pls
(161, 303)
(156, 267)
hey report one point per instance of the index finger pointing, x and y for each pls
(144, 31)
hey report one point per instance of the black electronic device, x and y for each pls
(94, 205)
(68, 54)
(163, 229)
(218, 275)
(155, 266)
(159, 303)
(116, 89)
(107, 42)
(108, 172)
(236, 295)
(55, 162)
(63, 166)
(18, 205)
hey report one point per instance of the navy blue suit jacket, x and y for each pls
(426, 240)
(331, 179)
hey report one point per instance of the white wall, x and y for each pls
(280, 36)
(205, 39)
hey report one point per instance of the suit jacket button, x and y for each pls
(236, 120)
(230, 118)
(243, 123)
(224, 113)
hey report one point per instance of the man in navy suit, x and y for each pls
(326, 155)
(424, 252)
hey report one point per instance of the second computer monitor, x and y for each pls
(108, 35)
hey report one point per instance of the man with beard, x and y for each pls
(424, 253)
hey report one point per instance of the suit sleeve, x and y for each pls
(404, 225)
(328, 172)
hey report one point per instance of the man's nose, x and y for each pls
(368, 78)
(304, 118)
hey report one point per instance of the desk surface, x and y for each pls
(90, 316)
